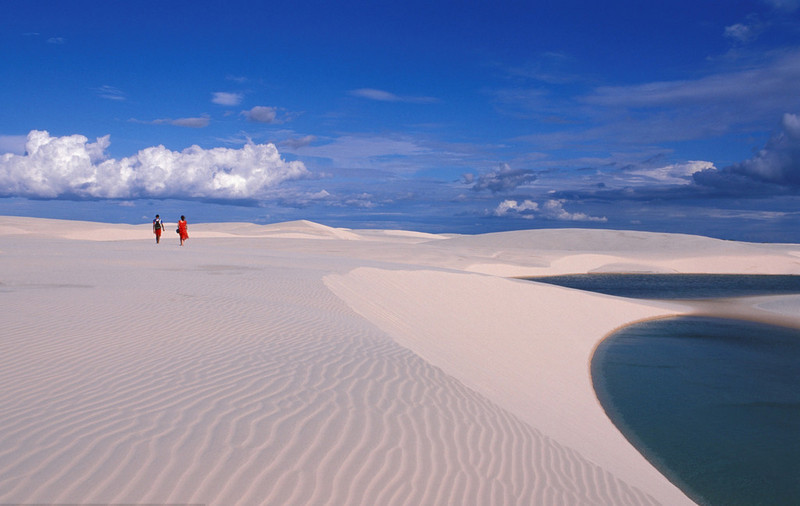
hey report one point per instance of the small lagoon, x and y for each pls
(678, 286)
(713, 403)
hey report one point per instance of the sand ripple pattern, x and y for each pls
(243, 380)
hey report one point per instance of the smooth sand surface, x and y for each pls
(301, 364)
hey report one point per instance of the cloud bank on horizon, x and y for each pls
(777, 164)
(71, 166)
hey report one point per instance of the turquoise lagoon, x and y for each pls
(713, 403)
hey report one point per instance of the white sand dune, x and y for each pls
(301, 364)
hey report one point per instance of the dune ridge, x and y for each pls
(262, 365)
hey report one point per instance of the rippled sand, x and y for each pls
(301, 364)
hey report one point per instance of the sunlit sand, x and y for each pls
(301, 364)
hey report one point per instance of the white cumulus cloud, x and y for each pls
(524, 209)
(226, 98)
(552, 210)
(373, 94)
(504, 178)
(200, 122)
(260, 114)
(71, 166)
(299, 142)
(678, 174)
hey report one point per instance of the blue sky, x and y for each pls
(436, 116)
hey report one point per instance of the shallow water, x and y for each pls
(713, 403)
(678, 286)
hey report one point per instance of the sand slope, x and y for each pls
(301, 364)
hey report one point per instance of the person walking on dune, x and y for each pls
(183, 229)
(157, 228)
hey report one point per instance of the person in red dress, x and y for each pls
(183, 229)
